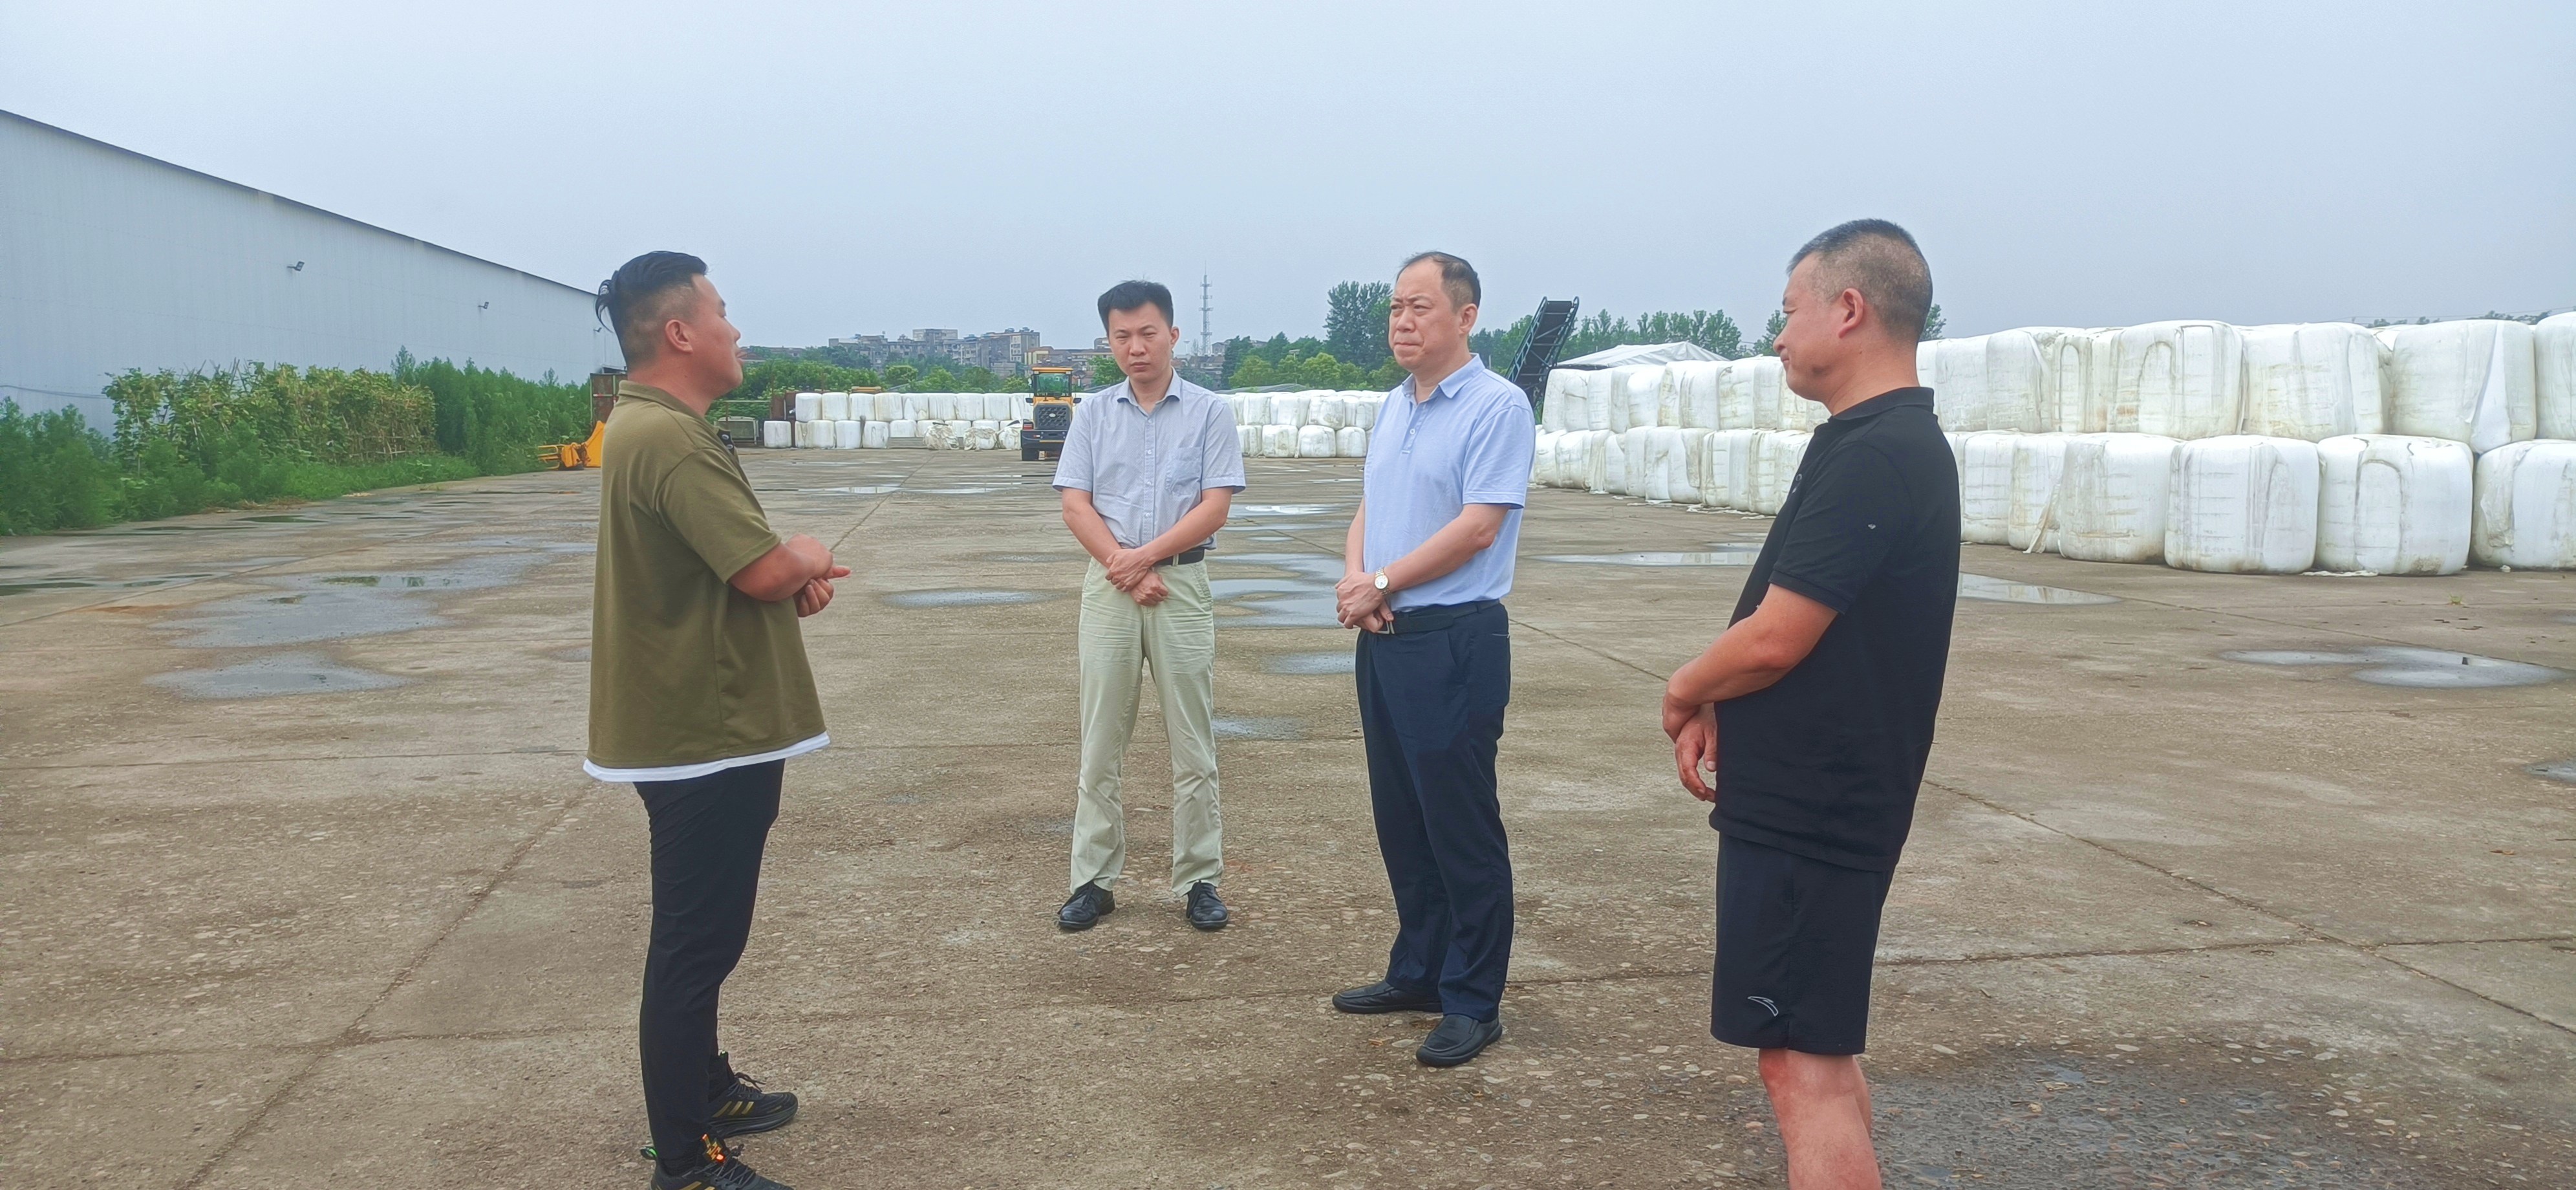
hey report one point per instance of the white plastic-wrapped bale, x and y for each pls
(1775, 465)
(1985, 460)
(1650, 464)
(1988, 382)
(778, 435)
(999, 406)
(2180, 379)
(1610, 473)
(1350, 442)
(1668, 397)
(885, 406)
(2469, 381)
(1561, 397)
(1253, 409)
(1574, 459)
(2066, 359)
(849, 433)
(940, 406)
(2553, 368)
(961, 434)
(836, 407)
(805, 433)
(1247, 441)
(1364, 407)
(2114, 492)
(1726, 469)
(1278, 441)
(2243, 505)
(2393, 504)
(2526, 506)
(875, 434)
(1328, 411)
(1288, 409)
(1688, 463)
(1765, 387)
(1314, 442)
(1633, 447)
(809, 406)
(1797, 412)
(903, 431)
(2312, 380)
(988, 433)
(1694, 385)
(2037, 460)
(1543, 459)
(1633, 394)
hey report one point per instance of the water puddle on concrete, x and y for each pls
(1339, 661)
(2556, 770)
(2413, 668)
(1978, 586)
(1241, 727)
(270, 677)
(1054, 559)
(305, 609)
(1297, 594)
(864, 489)
(1724, 554)
(962, 598)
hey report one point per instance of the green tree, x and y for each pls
(901, 376)
(1105, 372)
(1355, 321)
(1933, 323)
(1771, 329)
(937, 380)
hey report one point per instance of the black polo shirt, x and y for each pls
(1825, 763)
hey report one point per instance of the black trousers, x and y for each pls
(1431, 711)
(708, 834)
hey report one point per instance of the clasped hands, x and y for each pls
(816, 594)
(1693, 728)
(1132, 571)
(1357, 603)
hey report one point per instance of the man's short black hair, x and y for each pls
(1456, 276)
(1130, 295)
(643, 294)
(1881, 260)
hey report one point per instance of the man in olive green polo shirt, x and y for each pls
(699, 693)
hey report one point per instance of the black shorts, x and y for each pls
(1795, 937)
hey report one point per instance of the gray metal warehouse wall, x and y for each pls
(112, 260)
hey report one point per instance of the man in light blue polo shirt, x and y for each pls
(1429, 560)
(1150, 467)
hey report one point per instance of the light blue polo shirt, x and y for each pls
(1145, 471)
(1472, 442)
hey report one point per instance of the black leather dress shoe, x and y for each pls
(1386, 997)
(1205, 911)
(1085, 908)
(1458, 1039)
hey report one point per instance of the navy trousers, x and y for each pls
(1431, 711)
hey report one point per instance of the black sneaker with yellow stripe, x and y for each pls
(738, 1107)
(720, 1171)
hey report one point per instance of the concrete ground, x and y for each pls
(305, 887)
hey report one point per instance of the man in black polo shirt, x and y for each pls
(1809, 721)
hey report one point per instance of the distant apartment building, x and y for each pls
(1003, 353)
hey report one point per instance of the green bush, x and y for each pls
(189, 441)
(495, 419)
(55, 472)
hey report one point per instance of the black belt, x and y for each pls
(1185, 557)
(1438, 616)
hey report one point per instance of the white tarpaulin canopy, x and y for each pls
(1641, 353)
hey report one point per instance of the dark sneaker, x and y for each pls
(1386, 997)
(1085, 908)
(1205, 911)
(739, 1107)
(722, 1171)
(1458, 1039)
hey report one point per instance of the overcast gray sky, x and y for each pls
(854, 168)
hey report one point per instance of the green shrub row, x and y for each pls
(189, 441)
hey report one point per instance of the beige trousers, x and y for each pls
(1118, 641)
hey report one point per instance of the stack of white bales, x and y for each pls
(1715, 433)
(850, 421)
(1313, 424)
(2268, 449)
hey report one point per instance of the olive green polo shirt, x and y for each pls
(688, 676)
